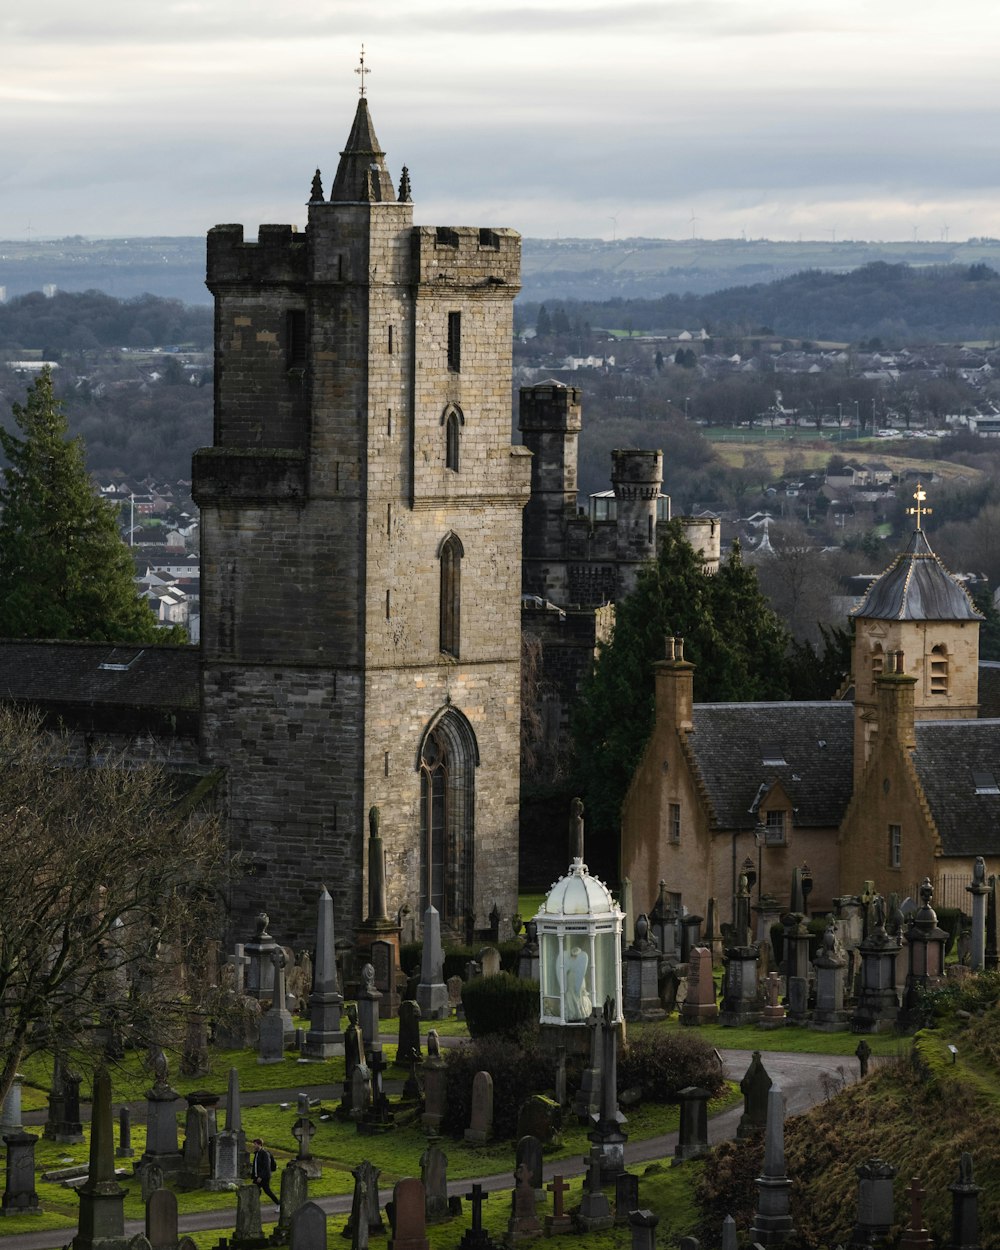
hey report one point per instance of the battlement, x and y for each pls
(636, 474)
(279, 255)
(550, 406)
(467, 256)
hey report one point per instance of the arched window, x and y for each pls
(939, 669)
(450, 555)
(447, 764)
(452, 419)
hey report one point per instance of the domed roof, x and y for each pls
(916, 587)
(578, 894)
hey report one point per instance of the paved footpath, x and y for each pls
(803, 1078)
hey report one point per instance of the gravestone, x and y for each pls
(587, 1102)
(864, 1054)
(435, 1086)
(20, 1196)
(366, 1206)
(595, 1211)
(361, 1092)
(798, 998)
(558, 1221)
(915, 1235)
(831, 975)
(369, 998)
(293, 1194)
(409, 1220)
(248, 1226)
(527, 959)
(308, 1228)
(523, 1223)
(234, 1121)
(326, 1002)
(432, 993)
(773, 1013)
(409, 1032)
(692, 1140)
(481, 1120)
(641, 999)
(965, 1208)
(150, 1179)
(379, 1117)
(875, 1202)
(772, 1223)
(608, 1132)
(434, 1174)
(529, 1152)
(383, 960)
(642, 1225)
(303, 1130)
(454, 986)
(10, 1109)
(476, 1237)
(700, 1004)
(354, 1053)
(489, 961)
(63, 1123)
(196, 1168)
(626, 1196)
(755, 1087)
(102, 1199)
(259, 979)
(225, 1155)
(161, 1220)
(729, 1241)
(124, 1150)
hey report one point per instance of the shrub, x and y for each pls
(661, 1063)
(456, 957)
(519, 1068)
(503, 1004)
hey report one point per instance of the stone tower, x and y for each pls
(361, 524)
(917, 622)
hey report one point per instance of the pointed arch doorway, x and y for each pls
(447, 762)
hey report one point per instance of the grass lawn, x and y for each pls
(793, 1040)
(340, 1147)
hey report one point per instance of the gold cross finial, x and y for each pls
(919, 511)
(362, 69)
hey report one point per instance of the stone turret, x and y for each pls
(550, 418)
(636, 477)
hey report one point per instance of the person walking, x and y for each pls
(261, 1167)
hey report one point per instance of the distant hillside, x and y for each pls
(552, 269)
(898, 304)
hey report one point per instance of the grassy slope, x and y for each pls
(919, 1114)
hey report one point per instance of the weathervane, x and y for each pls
(919, 511)
(362, 69)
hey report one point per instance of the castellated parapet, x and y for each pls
(361, 523)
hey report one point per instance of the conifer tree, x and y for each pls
(64, 570)
(730, 633)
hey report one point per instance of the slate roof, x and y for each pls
(989, 689)
(731, 740)
(948, 757)
(916, 587)
(88, 674)
(362, 174)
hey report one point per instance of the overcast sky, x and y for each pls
(780, 118)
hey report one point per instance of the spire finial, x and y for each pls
(404, 187)
(919, 511)
(362, 69)
(316, 193)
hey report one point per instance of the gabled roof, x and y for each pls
(731, 742)
(361, 174)
(954, 760)
(916, 587)
(96, 674)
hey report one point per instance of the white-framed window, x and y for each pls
(774, 828)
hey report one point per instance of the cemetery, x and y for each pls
(563, 1084)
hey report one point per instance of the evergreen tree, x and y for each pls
(543, 324)
(64, 570)
(730, 633)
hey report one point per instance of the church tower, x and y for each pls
(361, 524)
(915, 621)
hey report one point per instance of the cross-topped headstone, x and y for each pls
(363, 70)
(558, 1189)
(915, 1235)
(477, 1196)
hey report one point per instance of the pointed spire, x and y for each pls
(316, 193)
(404, 196)
(362, 174)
